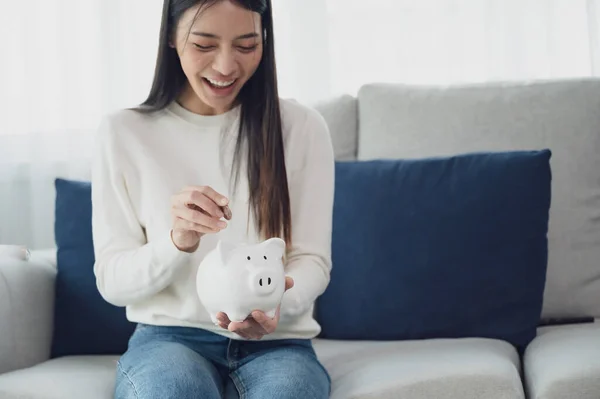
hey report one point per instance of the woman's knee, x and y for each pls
(166, 370)
(293, 374)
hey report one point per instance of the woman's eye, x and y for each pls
(204, 48)
(247, 49)
(244, 49)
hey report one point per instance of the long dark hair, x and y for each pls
(260, 118)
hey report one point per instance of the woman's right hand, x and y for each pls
(196, 211)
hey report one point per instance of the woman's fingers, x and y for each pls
(249, 328)
(196, 218)
(184, 225)
(227, 212)
(223, 319)
(196, 199)
(236, 326)
(267, 324)
(289, 283)
(223, 316)
(201, 208)
(225, 324)
(204, 206)
(196, 211)
(195, 192)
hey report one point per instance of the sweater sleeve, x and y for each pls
(311, 196)
(127, 267)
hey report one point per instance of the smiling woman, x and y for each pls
(213, 154)
(222, 58)
(217, 59)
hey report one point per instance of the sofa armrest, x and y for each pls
(26, 309)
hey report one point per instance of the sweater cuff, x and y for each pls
(293, 304)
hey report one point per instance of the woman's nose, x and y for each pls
(224, 63)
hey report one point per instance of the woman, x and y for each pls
(213, 153)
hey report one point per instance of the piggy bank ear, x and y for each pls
(225, 249)
(277, 245)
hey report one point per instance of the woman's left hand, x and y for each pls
(257, 325)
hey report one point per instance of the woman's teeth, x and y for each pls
(218, 83)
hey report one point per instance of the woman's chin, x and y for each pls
(219, 103)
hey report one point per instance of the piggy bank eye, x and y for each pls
(265, 257)
(248, 258)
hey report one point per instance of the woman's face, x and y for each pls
(219, 49)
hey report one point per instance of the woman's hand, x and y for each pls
(257, 325)
(197, 211)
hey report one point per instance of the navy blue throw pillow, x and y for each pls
(84, 323)
(443, 247)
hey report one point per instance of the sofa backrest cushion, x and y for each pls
(340, 114)
(84, 323)
(399, 121)
(451, 247)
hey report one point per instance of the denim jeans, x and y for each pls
(185, 363)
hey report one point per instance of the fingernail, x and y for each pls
(222, 225)
(223, 201)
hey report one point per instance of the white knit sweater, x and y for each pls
(142, 160)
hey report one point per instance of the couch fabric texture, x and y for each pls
(453, 247)
(84, 323)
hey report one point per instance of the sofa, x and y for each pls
(432, 347)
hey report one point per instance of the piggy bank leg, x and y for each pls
(238, 316)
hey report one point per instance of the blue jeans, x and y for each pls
(182, 363)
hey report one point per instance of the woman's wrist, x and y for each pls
(184, 248)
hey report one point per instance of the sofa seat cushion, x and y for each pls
(74, 377)
(564, 362)
(469, 368)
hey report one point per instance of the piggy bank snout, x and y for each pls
(263, 282)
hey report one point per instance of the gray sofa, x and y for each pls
(398, 121)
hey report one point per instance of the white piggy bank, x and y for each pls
(238, 279)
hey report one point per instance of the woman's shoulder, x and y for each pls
(130, 119)
(124, 125)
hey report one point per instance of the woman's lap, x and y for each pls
(165, 362)
(163, 369)
(282, 372)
